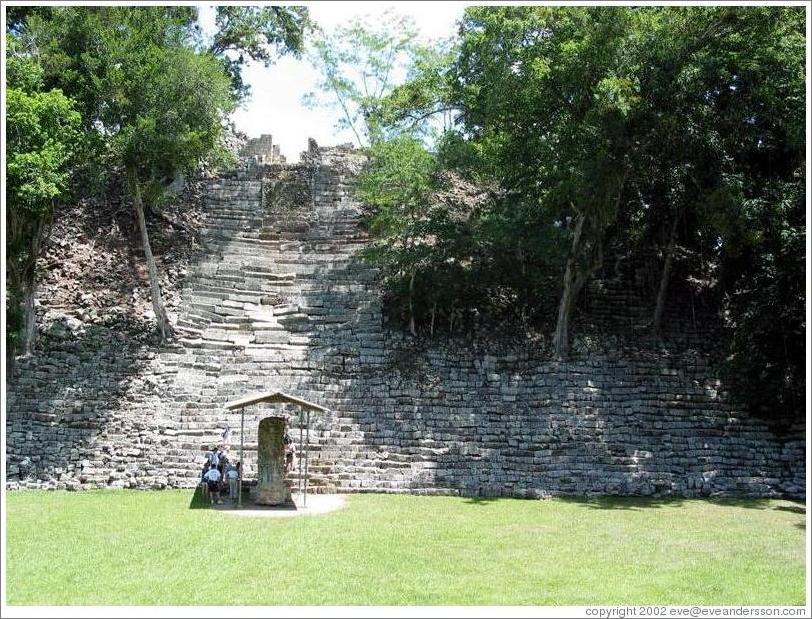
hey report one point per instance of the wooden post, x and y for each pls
(242, 460)
(299, 454)
(307, 452)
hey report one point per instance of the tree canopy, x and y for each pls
(258, 33)
(150, 98)
(40, 129)
(641, 131)
(359, 64)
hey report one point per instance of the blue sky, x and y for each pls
(275, 105)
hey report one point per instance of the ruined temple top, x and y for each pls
(262, 150)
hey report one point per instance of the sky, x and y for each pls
(275, 105)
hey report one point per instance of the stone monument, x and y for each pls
(271, 488)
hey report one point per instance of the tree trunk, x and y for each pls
(29, 327)
(411, 305)
(664, 278)
(568, 294)
(25, 280)
(28, 286)
(164, 327)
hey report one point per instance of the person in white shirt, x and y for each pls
(233, 477)
(212, 478)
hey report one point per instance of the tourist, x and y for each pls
(233, 477)
(222, 460)
(290, 449)
(222, 468)
(213, 458)
(213, 482)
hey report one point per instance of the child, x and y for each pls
(222, 466)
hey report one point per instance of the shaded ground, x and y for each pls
(298, 506)
(128, 547)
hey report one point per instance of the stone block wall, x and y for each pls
(262, 150)
(280, 301)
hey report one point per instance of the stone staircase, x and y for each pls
(268, 293)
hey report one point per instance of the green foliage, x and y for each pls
(258, 33)
(359, 64)
(41, 127)
(546, 93)
(85, 51)
(171, 111)
(634, 122)
(149, 100)
(22, 69)
(726, 140)
(395, 187)
(765, 302)
(414, 106)
(397, 183)
(152, 103)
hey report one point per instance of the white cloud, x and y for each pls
(275, 105)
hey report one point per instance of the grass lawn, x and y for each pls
(129, 547)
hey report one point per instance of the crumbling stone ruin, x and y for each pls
(277, 299)
(262, 150)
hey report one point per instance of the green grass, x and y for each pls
(130, 547)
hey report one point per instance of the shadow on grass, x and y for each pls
(481, 500)
(598, 502)
(798, 508)
(632, 503)
(795, 509)
(636, 503)
(626, 503)
(198, 500)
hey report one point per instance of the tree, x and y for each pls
(152, 100)
(395, 187)
(169, 103)
(642, 129)
(719, 145)
(424, 98)
(672, 131)
(155, 103)
(258, 33)
(359, 64)
(547, 92)
(41, 128)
